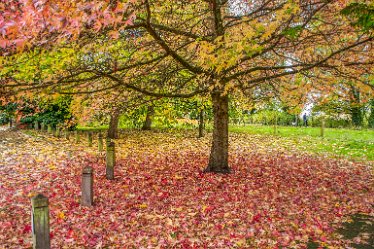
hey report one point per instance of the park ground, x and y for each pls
(289, 190)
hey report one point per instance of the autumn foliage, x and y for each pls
(164, 194)
(161, 199)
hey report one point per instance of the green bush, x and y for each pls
(7, 111)
(49, 111)
(268, 117)
(4, 119)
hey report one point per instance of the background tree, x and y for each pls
(371, 117)
(7, 113)
(345, 103)
(150, 111)
(108, 107)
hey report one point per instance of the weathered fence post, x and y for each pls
(57, 132)
(89, 138)
(87, 186)
(77, 137)
(108, 140)
(40, 222)
(49, 128)
(322, 128)
(67, 134)
(36, 125)
(42, 126)
(110, 160)
(100, 142)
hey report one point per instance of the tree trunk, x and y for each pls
(113, 125)
(357, 118)
(218, 160)
(148, 119)
(322, 128)
(371, 117)
(201, 123)
(356, 110)
(276, 124)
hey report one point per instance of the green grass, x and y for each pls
(32, 133)
(349, 143)
(289, 131)
(92, 128)
(354, 144)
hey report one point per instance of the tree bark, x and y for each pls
(371, 117)
(356, 110)
(218, 160)
(113, 125)
(201, 123)
(148, 119)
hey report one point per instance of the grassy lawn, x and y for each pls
(354, 144)
(349, 143)
(290, 131)
(92, 128)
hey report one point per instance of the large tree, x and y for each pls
(182, 48)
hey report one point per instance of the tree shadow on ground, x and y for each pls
(360, 231)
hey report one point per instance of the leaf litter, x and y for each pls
(276, 197)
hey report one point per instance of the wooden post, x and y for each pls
(110, 161)
(108, 140)
(87, 186)
(49, 128)
(67, 134)
(36, 125)
(40, 222)
(42, 126)
(89, 138)
(201, 123)
(57, 132)
(69, 154)
(100, 142)
(77, 137)
(322, 127)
